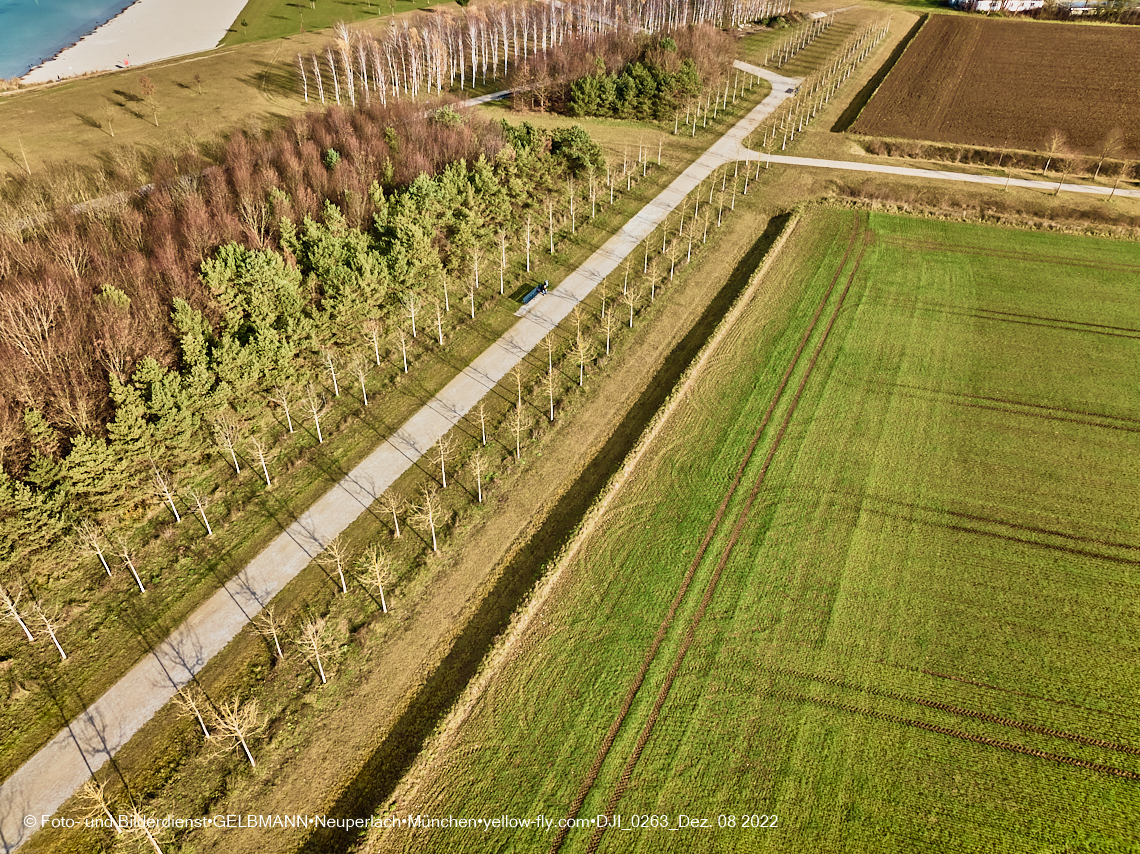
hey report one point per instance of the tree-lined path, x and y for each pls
(57, 770)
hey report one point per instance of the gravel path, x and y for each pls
(940, 175)
(44, 782)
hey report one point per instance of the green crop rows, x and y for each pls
(915, 625)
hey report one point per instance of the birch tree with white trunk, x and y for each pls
(88, 533)
(164, 483)
(392, 502)
(315, 641)
(10, 601)
(269, 627)
(237, 723)
(376, 566)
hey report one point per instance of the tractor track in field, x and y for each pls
(1008, 255)
(1045, 409)
(1059, 324)
(966, 681)
(1009, 538)
(1072, 761)
(964, 400)
(635, 685)
(989, 520)
(973, 714)
(1062, 323)
(738, 528)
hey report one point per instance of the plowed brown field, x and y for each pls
(977, 81)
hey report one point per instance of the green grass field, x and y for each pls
(913, 627)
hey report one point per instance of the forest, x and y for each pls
(131, 334)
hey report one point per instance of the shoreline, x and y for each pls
(78, 34)
(145, 31)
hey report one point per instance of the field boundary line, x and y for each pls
(1072, 761)
(738, 528)
(1012, 723)
(507, 651)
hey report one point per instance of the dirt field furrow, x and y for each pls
(1012, 84)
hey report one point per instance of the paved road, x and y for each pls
(43, 783)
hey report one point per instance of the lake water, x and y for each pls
(32, 31)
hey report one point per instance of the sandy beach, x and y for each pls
(145, 32)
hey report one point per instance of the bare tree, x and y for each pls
(227, 433)
(191, 702)
(202, 501)
(428, 512)
(479, 468)
(548, 342)
(260, 450)
(583, 351)
(99, 806)
(439, 321)
(335, 555)
(1054, 145)
(518, 423)
(237, 723)
(608, 323)
(444, 449)
(89, 537)
(51, 623)
(372, 328)
(10, 600)
(630, 298)
(412, 306)
(316, 644)
(359, 366)
(125, 553)
(1111, 146)
(394, 503)
(482, 415)
(330, 365)
(377, 566)
(471, 286)
(109, 117)
(549, 380)
(150, 96)
(281, 396)
(137, 827)
(315, 403)
(269, 627)
(164, 483)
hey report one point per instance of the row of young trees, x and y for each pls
(446, 49)
(816, 91)
(786, 50)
